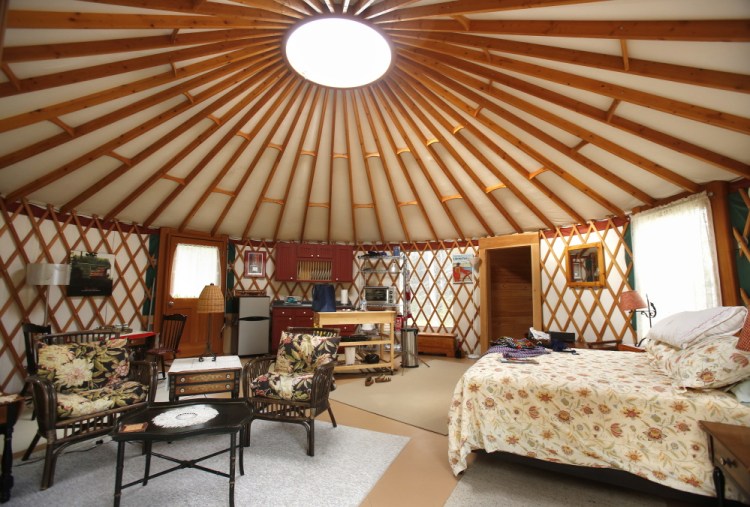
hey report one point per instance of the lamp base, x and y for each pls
(206, 355)
(208, 352)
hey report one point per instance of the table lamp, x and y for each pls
(631, 301)
(210, 301)
(42, 273)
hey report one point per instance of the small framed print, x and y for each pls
(255, 264)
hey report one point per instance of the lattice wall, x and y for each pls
(591, 313)
(31, 234)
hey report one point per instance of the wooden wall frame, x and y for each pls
(584, 265)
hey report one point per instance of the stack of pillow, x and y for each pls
(701, 349)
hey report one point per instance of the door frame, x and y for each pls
(530, 239)
(166, 236)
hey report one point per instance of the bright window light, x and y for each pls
(338, 52)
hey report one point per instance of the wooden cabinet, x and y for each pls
(510, 286)
(308, 262)
(284, 317)
(343, 263)
(286, 261)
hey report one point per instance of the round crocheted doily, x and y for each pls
(185, 416)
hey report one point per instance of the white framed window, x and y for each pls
(194, 267)
(674, 258)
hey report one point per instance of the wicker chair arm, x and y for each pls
(145, 372)
(45, 401)
(321, 383)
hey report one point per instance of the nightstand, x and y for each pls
(729, 446)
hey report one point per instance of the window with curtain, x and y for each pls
(194, 267)
(674, 254)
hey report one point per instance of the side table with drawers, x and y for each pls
(729, 446)
(189, 376)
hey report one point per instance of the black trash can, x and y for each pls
(409, 347)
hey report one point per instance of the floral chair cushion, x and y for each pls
(75, 367)
(97, 400)
(302, 352)
(295, 387)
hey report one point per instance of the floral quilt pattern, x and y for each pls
(597, 409)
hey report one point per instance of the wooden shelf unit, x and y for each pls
(381, 318)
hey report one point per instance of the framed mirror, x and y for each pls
(585, 265)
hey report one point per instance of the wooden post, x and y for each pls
(725, 243)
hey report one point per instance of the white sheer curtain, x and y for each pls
(194, 267)
(674, 256)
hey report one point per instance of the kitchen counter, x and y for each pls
(279, 303)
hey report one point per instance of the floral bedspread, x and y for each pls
(597, 409)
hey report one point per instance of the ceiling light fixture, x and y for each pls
(339, 52)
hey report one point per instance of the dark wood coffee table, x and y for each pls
(230, 418)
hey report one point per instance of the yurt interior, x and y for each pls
(375, 252)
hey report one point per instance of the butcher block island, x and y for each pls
(385, 320)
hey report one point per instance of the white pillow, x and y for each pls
(742, 391)
(685, 328)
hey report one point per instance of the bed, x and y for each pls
(636, 412)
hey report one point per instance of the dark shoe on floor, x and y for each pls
(368, 381)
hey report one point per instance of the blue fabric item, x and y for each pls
(324, 298)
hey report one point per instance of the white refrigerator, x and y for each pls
(253, 325)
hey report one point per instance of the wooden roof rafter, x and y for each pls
(670, 106)
(176, 191)
(468, 7)
(350, 171)
(295, 168)
(646, 68)
(387, 170)
(417, 105)
(219, 66)
(255, 8)
(44, 82)
(120, 140)
(421, 90)
(108, 21)
(372, 106)
(728, 30)
(542, 160)
(571, 127)
(54, 51)
(415, 153)
(270, 76)
(314, 165)
(224, 141)
(286, 87)
(291, 102)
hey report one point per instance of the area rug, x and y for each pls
(347, 464)
(418, 396)
(491, 481)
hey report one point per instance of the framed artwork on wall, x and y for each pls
(255, 264)
(90, 274)
(462, 268)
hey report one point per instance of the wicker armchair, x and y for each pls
(67, 413)
(293, 386)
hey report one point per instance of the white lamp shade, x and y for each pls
(47, 274)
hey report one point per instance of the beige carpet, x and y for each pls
(490, 481)
(420, 396)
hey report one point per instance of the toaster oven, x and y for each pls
(380, 295)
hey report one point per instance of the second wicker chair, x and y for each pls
(296, 389)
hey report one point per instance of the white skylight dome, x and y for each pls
(338, 52)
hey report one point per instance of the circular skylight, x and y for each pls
(338, 52)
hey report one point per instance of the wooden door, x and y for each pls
(510, 290)
(193, 342)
